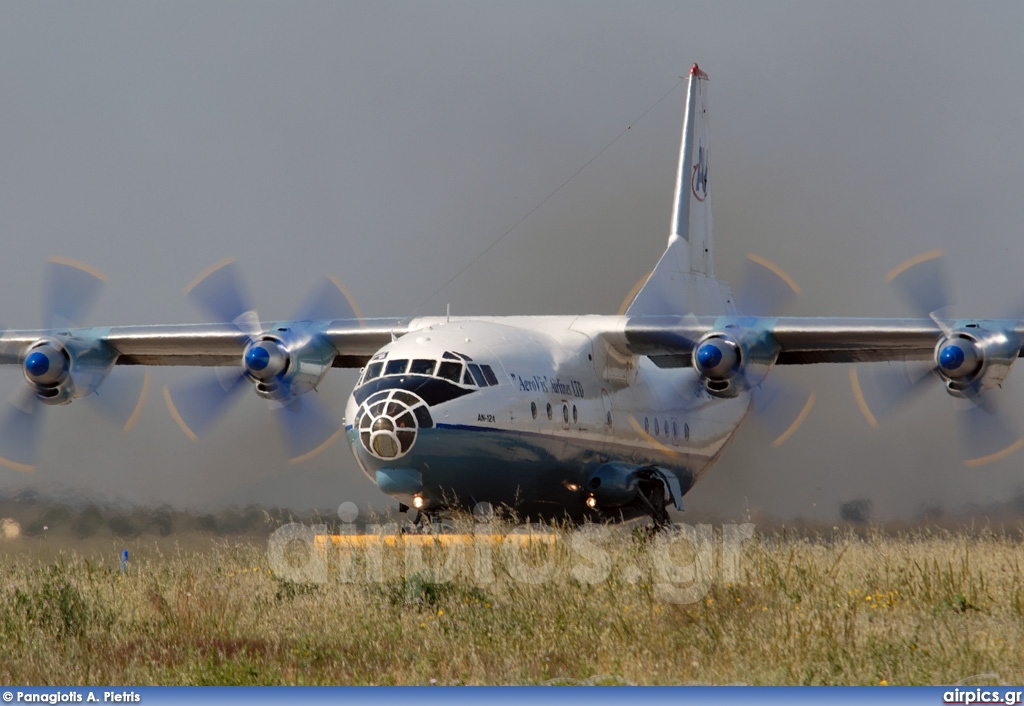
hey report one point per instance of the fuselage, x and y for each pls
(522, 411)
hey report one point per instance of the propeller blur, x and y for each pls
(582, 417)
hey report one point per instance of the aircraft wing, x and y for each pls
(283, 361)
(798, 340)
(354, 341)
(970, 358)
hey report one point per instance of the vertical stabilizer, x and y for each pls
(691, 209)
(684, 280)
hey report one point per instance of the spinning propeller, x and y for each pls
(971, 358)
(731, 359)
(737, 354)
(740, 351)
(64, 364)
(283, 362)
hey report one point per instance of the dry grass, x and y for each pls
(919, 608)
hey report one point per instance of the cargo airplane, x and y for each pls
(588, 416)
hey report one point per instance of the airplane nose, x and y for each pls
(388, 422)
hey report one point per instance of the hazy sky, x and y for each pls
(389, 144)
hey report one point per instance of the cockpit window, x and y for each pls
(422, 366)
(477, 375)
(450, 370)
(396, 367)
(372, 371)
(455, 367)
(489, 375)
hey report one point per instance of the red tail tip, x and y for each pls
(695, 71)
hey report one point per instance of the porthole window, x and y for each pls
(565, 413)
(575, 417)
(549, 411)
(657, 429)
(664, 425)
(608, 418)
(686, 432)
(533, 409)
(647, 426)
(675, 429)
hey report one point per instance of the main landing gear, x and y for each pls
(652, 499)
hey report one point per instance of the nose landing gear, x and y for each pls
(423, 521)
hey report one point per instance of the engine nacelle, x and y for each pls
(718, 358)
(736, 358)
(283, 365)
(47, 368)
(59, 370)
(612, 485)
(971, 360)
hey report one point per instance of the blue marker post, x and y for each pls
(124, 561)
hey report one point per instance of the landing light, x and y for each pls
(591, 502)
(417, 502)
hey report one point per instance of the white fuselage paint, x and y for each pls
(559, 361)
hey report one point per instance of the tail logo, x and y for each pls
(699, 180)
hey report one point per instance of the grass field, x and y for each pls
(843, 607)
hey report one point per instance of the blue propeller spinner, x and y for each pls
(971, 358)
(64, 363)
(284, 362)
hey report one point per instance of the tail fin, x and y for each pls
(683, 281)
(691, 212)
